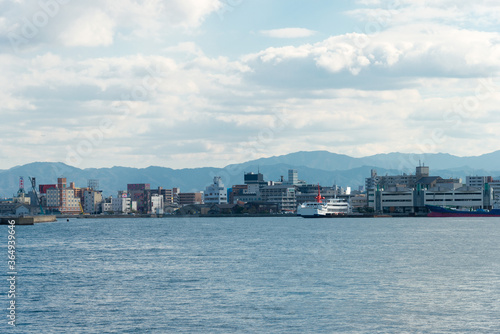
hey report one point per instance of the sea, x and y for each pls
(254, 275)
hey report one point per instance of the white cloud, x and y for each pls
(93, 28)
(209, 100)
(382, 14)
(430, 50)
(137, 93)
(288, 33)
(172, 104)
(98, 22)
(190, 13)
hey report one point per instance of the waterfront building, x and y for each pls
(411, 193)
(495, 186)
(255, 179)
(92, 201)
(407, 200)
(11, 208)
(477, 181)
(107, 204)
(485, 182)
(358, 201)
(156, 204)
(120, 205)
(62, 198)
(175, 196)
(42, 188)
(141, 194)
(392, 200)
(215, 193)
(463, 197)
(373, 181)
(282, 195)
(167, 194)
(195, 198)
(236, 192)
(247, 198)
(245, 193)
(376, 181)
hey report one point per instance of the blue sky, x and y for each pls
(214, 82)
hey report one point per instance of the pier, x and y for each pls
(28, 220)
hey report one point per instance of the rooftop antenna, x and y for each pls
(93, 184)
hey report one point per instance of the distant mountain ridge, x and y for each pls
(400, 161)
(313, 167)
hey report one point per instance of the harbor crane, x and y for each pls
(33, 186)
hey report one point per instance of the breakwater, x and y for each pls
(28, 220)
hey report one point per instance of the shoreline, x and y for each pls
(28, 220)
(238, 216)
(31, 220)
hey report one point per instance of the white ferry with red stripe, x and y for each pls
(319, 209)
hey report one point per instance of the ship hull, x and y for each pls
(437, 211)
(458, 214)
(311, 210)
(331, 208)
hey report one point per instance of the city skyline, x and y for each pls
(187, 84)
(315, 167)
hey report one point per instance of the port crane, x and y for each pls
(33, 186)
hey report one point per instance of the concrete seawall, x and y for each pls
(28, 220)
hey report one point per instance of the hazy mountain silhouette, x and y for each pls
(313, 167)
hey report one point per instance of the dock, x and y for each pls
(28, 220)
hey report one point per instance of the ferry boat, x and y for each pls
(439, 211)
(335, 206)
(318, 209)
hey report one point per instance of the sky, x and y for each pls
(198, 83)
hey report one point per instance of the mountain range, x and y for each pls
(314, 167)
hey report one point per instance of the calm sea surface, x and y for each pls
(264, 275)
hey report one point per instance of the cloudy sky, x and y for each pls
(190, 83)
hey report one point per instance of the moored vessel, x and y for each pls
(439, 211)
(319, 209)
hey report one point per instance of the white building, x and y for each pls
(157, 204)
(216, 193)
(12, 208)
(485, 182)
(477, 181)
(464, 197)
(375, 181)
(121, 205)
(107, 207)
(392, 200)
(404, 200)
(495, 186)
